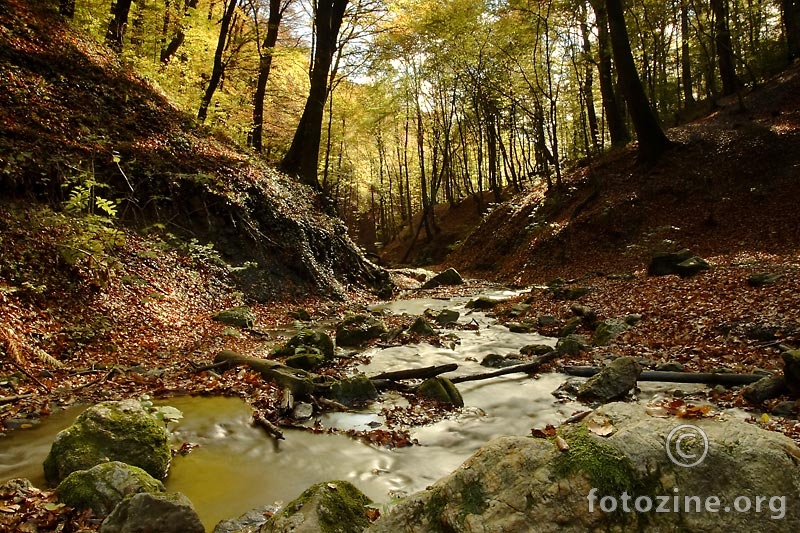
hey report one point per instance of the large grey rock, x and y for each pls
(607, 330)
(528, 484)
(169, 512)
(611, 383)
(110, 431)
(447, 277)
(764, 389)
(102, 487)
(333, 506)
(359, 329)
(682, 262)
(572, 345)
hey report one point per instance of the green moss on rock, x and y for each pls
(103, 486)
(328, 507)
(110, 431)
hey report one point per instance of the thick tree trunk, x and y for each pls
(302, 159)
(264, 68)
(790, 12)
(117, 25)
(219, 66)
(588, 82)
(722, 41)
(615, 121)
(651, 138)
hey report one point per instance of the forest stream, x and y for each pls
(238, 467)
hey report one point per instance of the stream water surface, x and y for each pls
(237, 467)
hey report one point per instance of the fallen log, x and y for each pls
(416, 373)
(709, 378)
(262, 422)
(299, 382)
(531, 366)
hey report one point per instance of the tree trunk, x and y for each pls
(617, 131)
(686, 61)
(727, 68)
(652, 141)
(265, 65)
(588, 82)
(219, 65)
(302, 159)
(790, 12)
(117, 25)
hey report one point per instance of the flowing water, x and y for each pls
(237, 467)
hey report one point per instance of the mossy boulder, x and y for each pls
(328, 507)
(607, 330)
(354, 390)
(307, 341)
(110, 431)
(102, 487)
(241, 317)
(535, 349)
(572, 345)
(611, 383)
(762, 279)
(168, 512)
(482, 302)
(357, 330)
(442, 390)
(305, 361)
(532, 484)
(683, 262)
(422, 327)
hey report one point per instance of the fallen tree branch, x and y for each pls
(416, 373)
(532, 366)
(9, 399)
(709, 378)
(299, 382)
(262, 422)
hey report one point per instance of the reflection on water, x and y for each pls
(237, 467)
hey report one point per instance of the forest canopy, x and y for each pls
(391, 107)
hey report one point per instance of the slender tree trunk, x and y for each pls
(219, 66)
(265, 66)
(588, 82)
(118, 24)
(651, 138)
(686, 60)
(617, 131)
(302, 159)
(727, 68)
(790, 12)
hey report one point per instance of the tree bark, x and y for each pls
(276, 11)
(219, 66)
(790, 12)
(722, 41)
(651, 138)
(617, 131)
(588, 82)
(117, 25)
(302, 159)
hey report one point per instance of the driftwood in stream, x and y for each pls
(532, 366)
(675, 377)
(416, 373)
(299, 382)
(262, 422)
